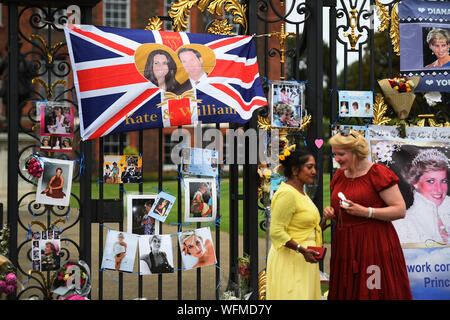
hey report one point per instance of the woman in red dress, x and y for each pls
(367, 260)
(55, 186)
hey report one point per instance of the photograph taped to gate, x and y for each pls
(139, 220)
(200, 198)
(161, 206)
(197, 249)
(55, 184)
(120, 251)
(155, 254)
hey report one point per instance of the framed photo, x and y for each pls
(139, 220)
(197, 161)
(122, 169)
(197, 249)
(55, 184)
(57, 121)
(286, 101)
(162, 206)
(155, 254)
(200, 197)
(356, 104)
(120, 251)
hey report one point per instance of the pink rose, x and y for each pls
(11, 278)
(9, 289)
(2, 286)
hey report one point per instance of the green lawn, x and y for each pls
(113, 192)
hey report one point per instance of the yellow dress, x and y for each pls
(289, 276)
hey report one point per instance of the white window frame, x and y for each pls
(113, 22)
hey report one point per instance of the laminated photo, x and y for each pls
(202, 162)
(139, 220)
(55, 184)
(197, 249)
(355, 104)
(122, 169)
(155, 254)
(162, 206)
(200, 198)
(120, 251)
(286, 101)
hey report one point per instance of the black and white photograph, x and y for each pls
(139, 220)
(120, 251)
(200, 197)
(55, 184)
(155, 254)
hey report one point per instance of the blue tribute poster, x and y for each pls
(424, 43)
(355, 104)
(428, 272)
(201, 162)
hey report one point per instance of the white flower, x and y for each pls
(433, 98)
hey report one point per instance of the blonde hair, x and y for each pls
(354, 141)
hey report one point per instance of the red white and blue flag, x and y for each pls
(115, 93)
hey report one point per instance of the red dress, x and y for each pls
(360, 245)
(58, 193)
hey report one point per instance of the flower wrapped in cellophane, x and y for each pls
(399, 92)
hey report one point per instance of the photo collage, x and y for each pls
(45, 250)
(57, 126)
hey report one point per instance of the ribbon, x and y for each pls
(80, 159)
(172, 96)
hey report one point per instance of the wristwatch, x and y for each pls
(298, 248)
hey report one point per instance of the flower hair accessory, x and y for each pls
(286, 152)
(430, 155)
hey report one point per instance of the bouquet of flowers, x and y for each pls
(72, 278)
(401, 84)
(8, 278)
(399, 92)
(244, 273)
(34, 166)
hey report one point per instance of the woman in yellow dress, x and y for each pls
(292, 269)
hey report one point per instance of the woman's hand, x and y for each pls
(355, 209)
(328, 213)
(310, 255)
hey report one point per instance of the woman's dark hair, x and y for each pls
(170, 76)
(297, 159)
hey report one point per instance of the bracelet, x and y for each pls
(298, 248)
(371, 211)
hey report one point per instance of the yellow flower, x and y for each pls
(287, 153)
(281, 157)
(66, 276)
(267, 173)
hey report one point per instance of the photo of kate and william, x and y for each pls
(175, 72)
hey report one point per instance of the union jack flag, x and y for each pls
(116, 94)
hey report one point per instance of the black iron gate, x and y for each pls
(295, 54)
